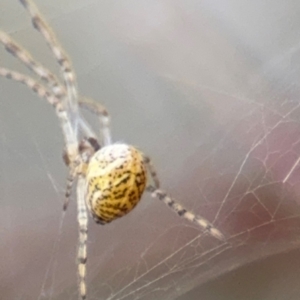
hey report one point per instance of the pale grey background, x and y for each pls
(210, 90)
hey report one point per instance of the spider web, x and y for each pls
(209, 89)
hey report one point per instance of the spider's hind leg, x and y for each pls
(156, 192)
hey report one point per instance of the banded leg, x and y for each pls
(65, 64)
(60, 110)
(68, 191)
(152, 171)
(25, 57)
(82, 219)
(44, 74)
(42, 92)
(182, 212)
(58, 90)
(32, 84)
(103, 116)
(175, 206)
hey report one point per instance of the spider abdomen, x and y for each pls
(116, 179)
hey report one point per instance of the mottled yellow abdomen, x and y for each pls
(116, 179)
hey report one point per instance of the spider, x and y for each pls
(111, 177)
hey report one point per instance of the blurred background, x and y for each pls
(210, 90)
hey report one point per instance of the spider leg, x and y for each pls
(32, 84)
(48, 77)
(25, 57)
(152, 171)
(82, 218)
(58, 90)
(156, 192)
(102, 113)
(70, 138)
(65, 64)
(68, 191)
(182, 212)
(42, 92)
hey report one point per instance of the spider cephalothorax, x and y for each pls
(110, 179)
(86, 149)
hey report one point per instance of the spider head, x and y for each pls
(86, 148)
